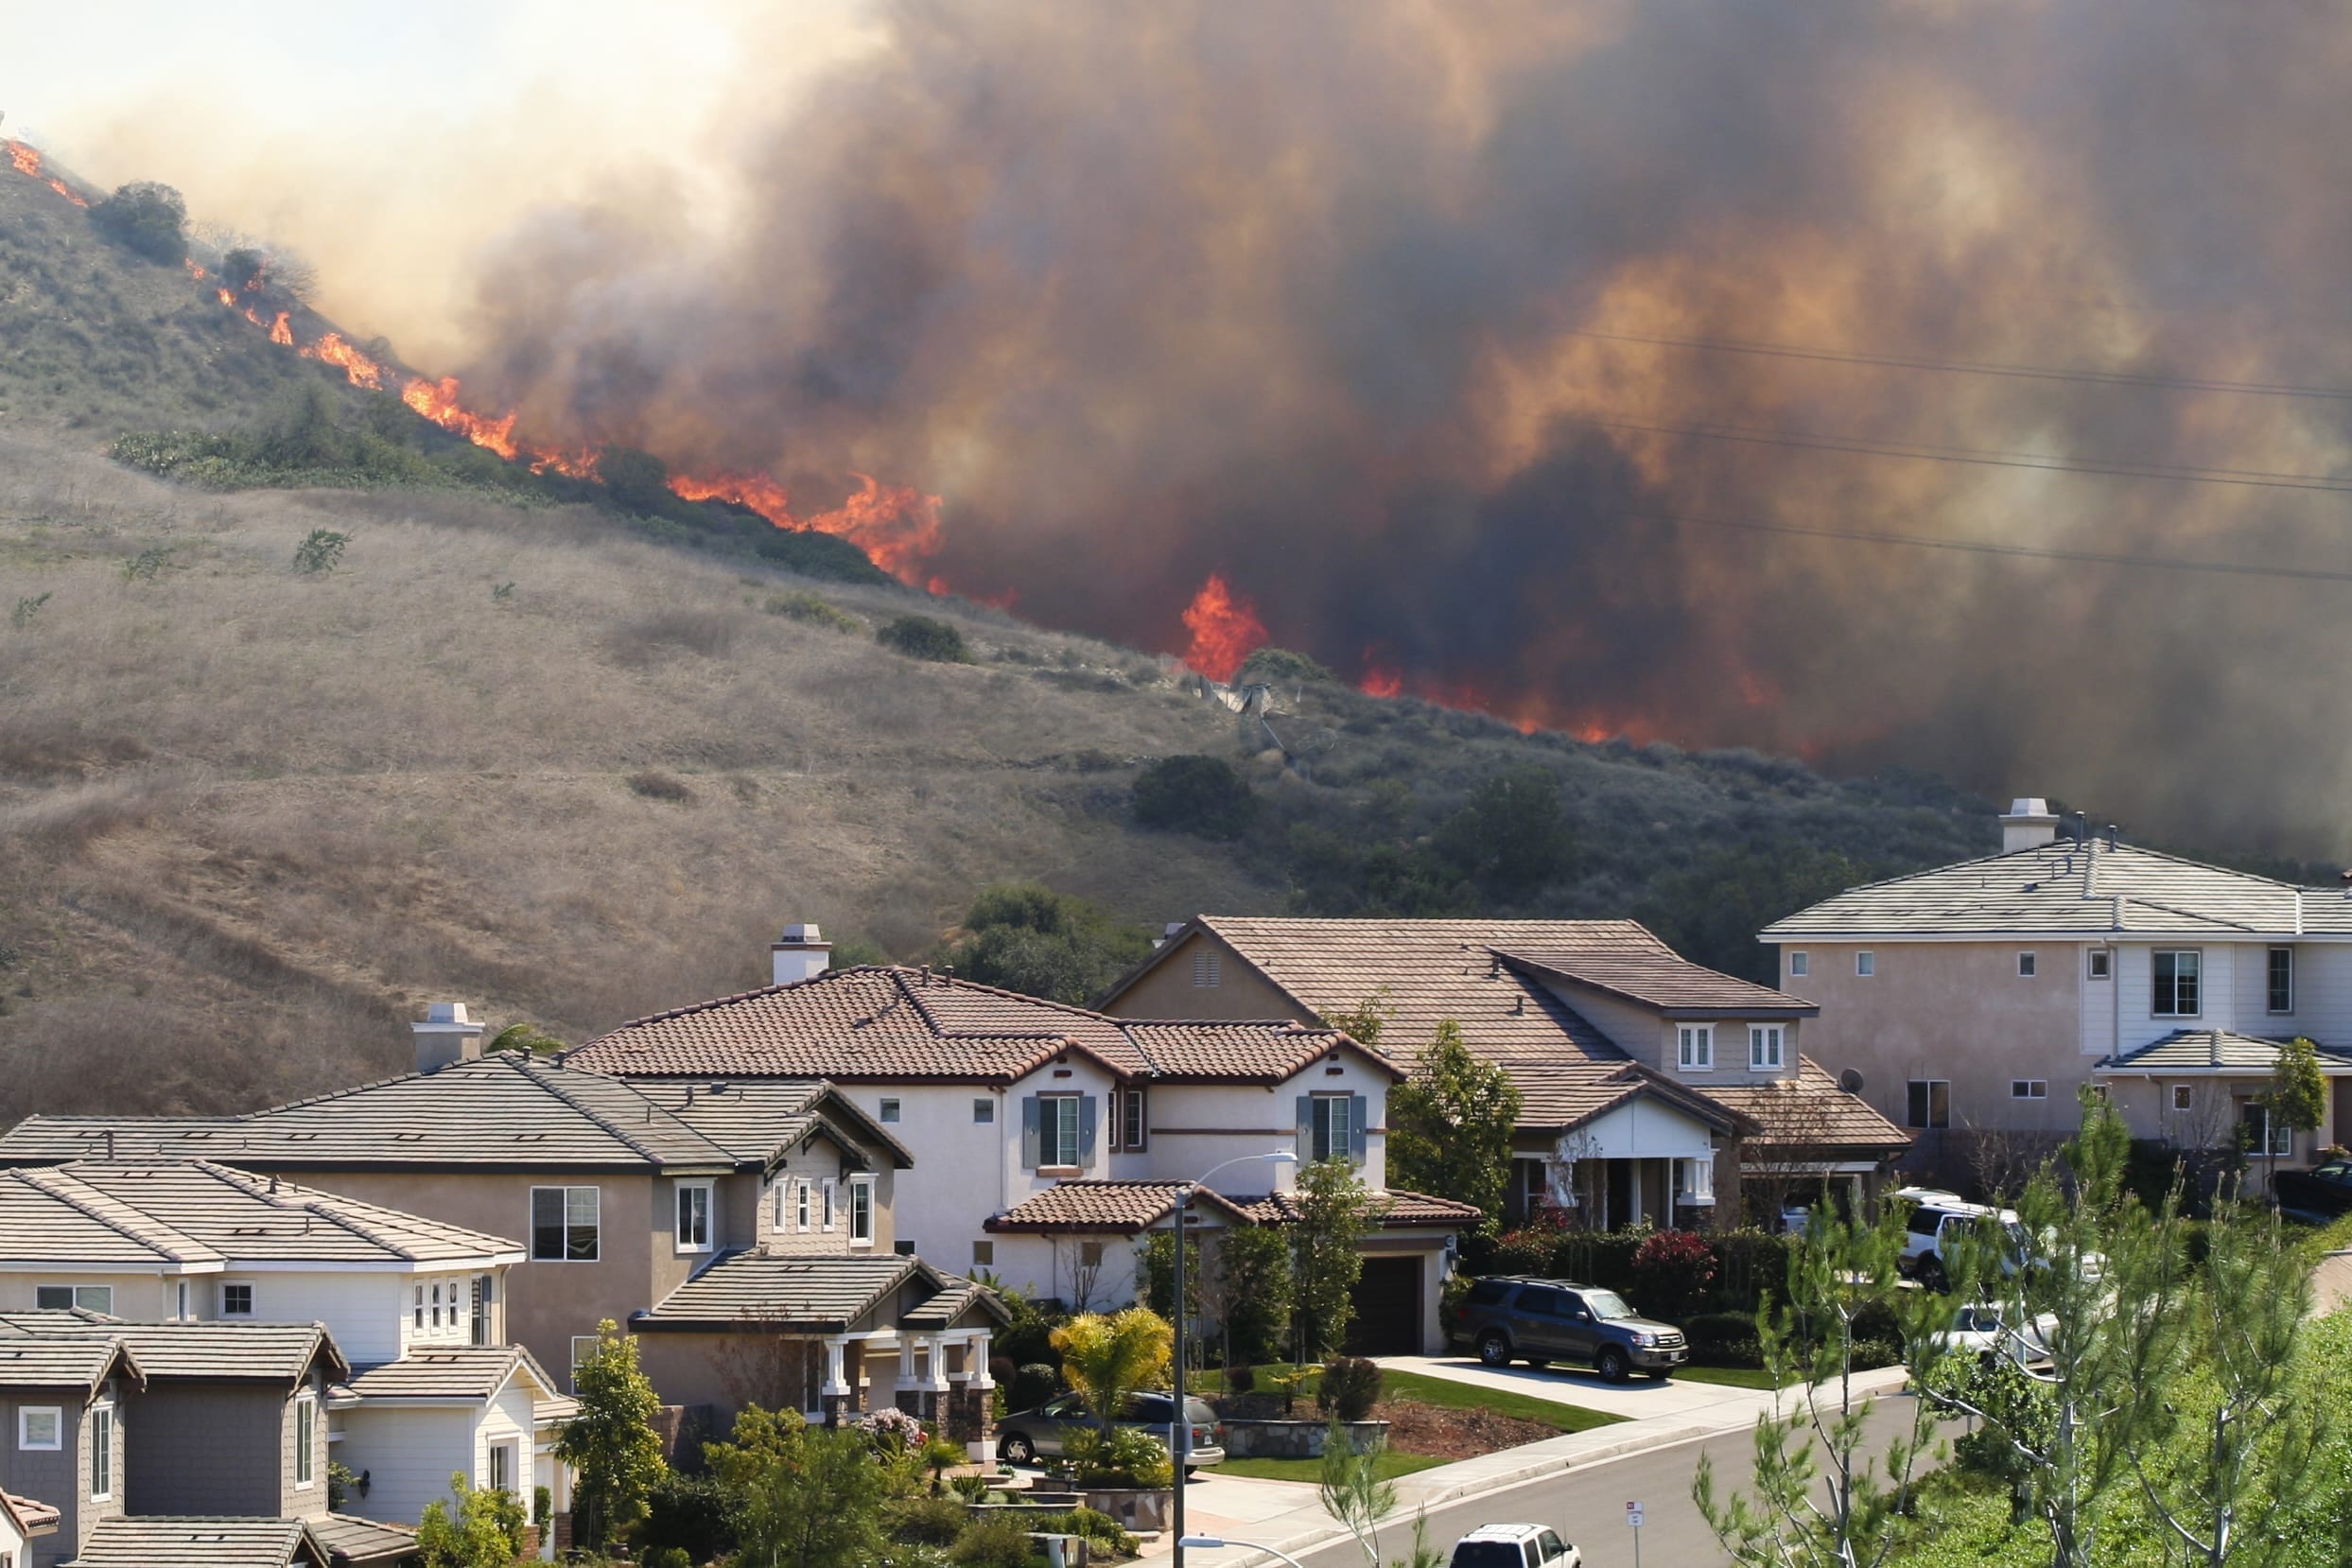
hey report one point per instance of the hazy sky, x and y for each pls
(390, 141)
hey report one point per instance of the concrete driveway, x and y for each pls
(1706, 1403)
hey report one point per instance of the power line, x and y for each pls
(1967, 367)
(1972, 547)
(2044, 462)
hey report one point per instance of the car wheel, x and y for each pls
(1494, 1348)
(1016, 1449)
(1611, 1363)
(1932, 1274)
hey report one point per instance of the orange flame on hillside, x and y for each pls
(1225, 629)
(194, 270)
(226, 298)
(357, 367)
(896, 524)
(438, 402)
(280, 332)
(27, 162)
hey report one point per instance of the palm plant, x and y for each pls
(1108, 1357)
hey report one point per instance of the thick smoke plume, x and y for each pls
(1353, 305)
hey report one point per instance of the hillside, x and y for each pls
(534, 759)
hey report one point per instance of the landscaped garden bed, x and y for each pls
(1431, 1421)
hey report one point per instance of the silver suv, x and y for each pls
(1514, 1546)
(1509, 1317)
(1937, 1216)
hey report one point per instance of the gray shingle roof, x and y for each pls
(161, 1540)
(2215, 1051)
(196, 1212)
(2069, 888)
(1122, 1208)
(758, 1292)
(350, 1539)
(1662, 979)
(28, 1362)
(759, 1118)
(1810, 1112)
(279, 1352)
(460, 1372)
(506, 1111)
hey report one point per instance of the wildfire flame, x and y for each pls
(226, 298)
(896, 524)
(280, 332)
(438, 402)
(27, 162)
(194, 270)
(1225, 629)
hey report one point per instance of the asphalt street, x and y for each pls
(1587, 1505)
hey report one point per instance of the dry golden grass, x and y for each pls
(250, 821)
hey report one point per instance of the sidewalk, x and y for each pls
(1289, 1514)
(1635, 1400)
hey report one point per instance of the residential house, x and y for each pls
(416, 1303)
(1648, 1084)
(1975, 1001)
(205, 1543)
(1012, 1099)
(61, 1433)
(22, 1519)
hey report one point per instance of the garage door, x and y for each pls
(1387, 1308)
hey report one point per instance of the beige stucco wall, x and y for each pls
(1168, 992)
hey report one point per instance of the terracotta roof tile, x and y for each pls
(802, 1295)
(1811, 1109)
(31, 1518)
(1404, 1210)
(1125, 1207)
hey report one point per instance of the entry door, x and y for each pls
(1621, 1174)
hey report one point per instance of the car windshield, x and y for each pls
(1488, 1554)
(1607, 1304)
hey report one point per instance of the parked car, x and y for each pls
(1983, 1331)
(1027, 1435)
(1937, 1216)
(1508, 1317)
(1514, 1546)
(2322, 1193)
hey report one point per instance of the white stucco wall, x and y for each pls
(409, 1454)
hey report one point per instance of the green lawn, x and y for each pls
(1388, 1466)
(1731, 1377)
(1449, 1395)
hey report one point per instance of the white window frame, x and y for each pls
(2184, 1097)
(829, 1188)
(245, 1285)
(688, 1212)
(983, 1112)
(100, 1427)
(436, 1306)
(2098, 964)
(1331, 1126)
(73, 1301)
(182, 1314)
(2029, 1089)
(2197, 956)
(801, 1204)
(1695, 1182)
(1054, 1121)
(416, 1309)
(592, 1342)
(2279, 1148)
(1759, 1037)
(2270, 958)
(25, 1414)
(983, 1254)
(531, 1229)
(890, 1108)
(2028, 965)
(861, 1210)
(1694, 1047)
(500, 1457)
(778, 1204)
(1800, 963)
(306, 1440)
(1132, 1116)
(1865, 963)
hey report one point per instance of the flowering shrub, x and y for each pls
(1527, 1250)
(892, 1430)
(1672, 1271)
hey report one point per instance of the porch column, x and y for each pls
(908, 1394)
(968, 1403)
(933, 1383)
(836, 1393)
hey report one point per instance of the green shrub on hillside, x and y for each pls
(1027, 938)
(1194, 795)
(809, 610)
(922, 638)
(1280, 664)
(147, 217)
(815, 554)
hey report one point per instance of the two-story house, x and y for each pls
(1015, 1101)
(1648, 1084)
(61, 1433)
(1974, 1000)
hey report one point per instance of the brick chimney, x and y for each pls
(447, 1035)
(2029, 825)
(800, 953)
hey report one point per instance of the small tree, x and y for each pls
(1245, 1288)
(145, 217)
(319, 551)
(1450, 1127)
(1354, 1492)
(611, 1444)
(1512, 837)
(487, 1532)
(1194, 795)
(2296, 1098)
(805, 1499)
(924, 638)
(1106, 1358)
(1366, 1020)
(1336, 1209)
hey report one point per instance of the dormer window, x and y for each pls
(693, 1234)
(1764, 1047)
(1696, 1047)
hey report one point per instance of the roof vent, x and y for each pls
(2029, 825)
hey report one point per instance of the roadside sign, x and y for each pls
(1634, 1515)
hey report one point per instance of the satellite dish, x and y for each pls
(1850, 1080)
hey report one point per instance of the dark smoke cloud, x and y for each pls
(1292, 292)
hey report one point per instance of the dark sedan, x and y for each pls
(2321, 1193)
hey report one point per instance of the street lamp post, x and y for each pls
(1211, 1542)
(1180, 1427)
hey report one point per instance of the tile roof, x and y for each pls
(2071, 888)
(2215, 1051)
(1126, 1208)
(1663, 979)
(40, 1362)
(31, 1518)
(281, 1353)
(460, 1373)
(759, 1118)
(1811, 1110)
(1405, 1211)
(154, 1541)
(872, 1023)
(504, 1111)
(348, 1540)
(194, 1212)
(799, 1295)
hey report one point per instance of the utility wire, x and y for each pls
(2046, 461)
(1965, 367)
(1972, 547)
